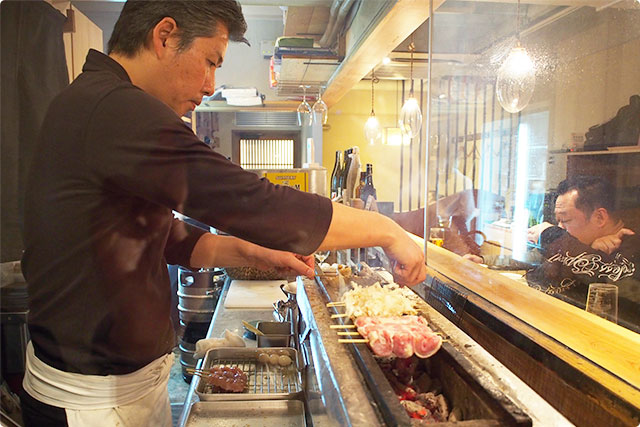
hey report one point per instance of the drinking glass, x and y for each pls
(321, 109)
(304, 110)
(602, 300)
(322, 255)
(436, 236)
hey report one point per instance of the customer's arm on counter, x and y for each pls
(570, 266)
(353, 228)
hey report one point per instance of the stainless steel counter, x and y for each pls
(223, 318)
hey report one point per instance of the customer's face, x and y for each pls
(575, 221)
(190, 75)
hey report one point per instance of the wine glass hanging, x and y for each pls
(305, 117)
(320, 109)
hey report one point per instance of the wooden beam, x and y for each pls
(398, 24)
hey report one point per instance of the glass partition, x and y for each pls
(534, 146)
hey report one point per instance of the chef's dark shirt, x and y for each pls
(112, 163)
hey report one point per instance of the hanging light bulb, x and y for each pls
(372, 129)
(516, 80)
(410, 120)
(516, 76)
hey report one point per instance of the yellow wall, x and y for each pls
(346, 129)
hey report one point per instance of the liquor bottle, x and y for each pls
(335, 176)
(368, 189)
(352, 175)
(345, 171)
(363, 176)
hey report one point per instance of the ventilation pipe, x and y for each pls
(338, 13)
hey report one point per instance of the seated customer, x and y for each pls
(589, 245)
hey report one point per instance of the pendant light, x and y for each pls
(372, 129)
(410, 120)
(516, 76)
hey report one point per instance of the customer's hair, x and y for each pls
(593, 193)
(195, 18)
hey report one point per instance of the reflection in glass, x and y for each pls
(304, 110)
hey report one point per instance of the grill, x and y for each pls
(264, 381)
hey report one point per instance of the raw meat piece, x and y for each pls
(380, 342)
(405, 334)
(227, 379)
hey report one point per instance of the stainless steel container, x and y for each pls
(198, 293)
(267, 413)
(276, 334)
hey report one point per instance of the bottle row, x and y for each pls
(347, 179)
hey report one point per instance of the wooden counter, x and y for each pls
(597, 360)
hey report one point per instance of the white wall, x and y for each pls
(244, 65)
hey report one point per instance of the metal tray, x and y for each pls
(265, 382)
(267, 413)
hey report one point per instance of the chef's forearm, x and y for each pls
(353, 228)
(213, 250)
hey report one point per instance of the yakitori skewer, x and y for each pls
(336, 304)
(342, 326)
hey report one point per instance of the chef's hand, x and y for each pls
(285, 262)
(533, 233)
(610, 243)
(407, 260)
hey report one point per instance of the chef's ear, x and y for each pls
(161, 35)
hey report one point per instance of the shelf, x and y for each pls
(617, 150)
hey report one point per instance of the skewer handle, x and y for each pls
(342, 326)
(348, 333)
(353, 340)
(335, 316)
(336, 304)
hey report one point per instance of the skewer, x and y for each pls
(335, 316)
(336, 304)
(353, 340)
(342, 326)
(349, 333)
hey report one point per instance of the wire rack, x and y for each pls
(264, 381)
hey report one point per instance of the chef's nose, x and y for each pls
(209, 83)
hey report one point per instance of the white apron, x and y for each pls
(140, 398)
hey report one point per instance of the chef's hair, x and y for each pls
(195, 18)
(593, 192)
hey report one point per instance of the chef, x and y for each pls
(113, 161)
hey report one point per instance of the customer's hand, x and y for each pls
(475, 258)
(533, 233)
(611, 243)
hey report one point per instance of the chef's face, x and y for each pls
(575, 221)
(190, 74)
